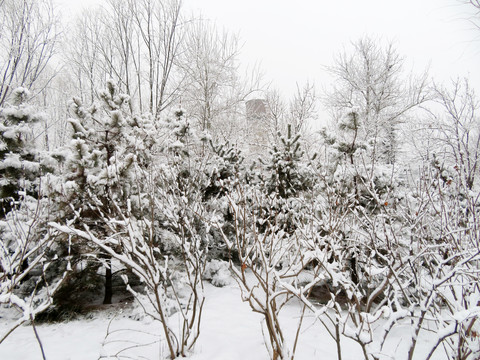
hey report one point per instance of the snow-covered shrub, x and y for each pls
(271, 256)
(218, 273)
(30, 270)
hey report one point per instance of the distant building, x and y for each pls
(256, 109)
(256, 114)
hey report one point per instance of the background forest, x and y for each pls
(132, 166)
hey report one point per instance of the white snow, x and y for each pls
(230, 331)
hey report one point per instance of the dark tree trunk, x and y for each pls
(108, 282)
(353, 264)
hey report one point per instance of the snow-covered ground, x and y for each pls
(230, 331)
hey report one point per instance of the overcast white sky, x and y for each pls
(294, 40)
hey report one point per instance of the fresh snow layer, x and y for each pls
(230, 331)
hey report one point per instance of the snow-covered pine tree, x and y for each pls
(225, 169)
(20, 165)
(147, 215)
(98, 176)
(187, 156)
(226, 166)
(285, 175)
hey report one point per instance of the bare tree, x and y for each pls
(271, 260)
(210, 62)
(83, 54)
(215, 88)
(28, 42)
(135, 43)
(298, 112)
(135, 245)
(160, 27)
(459, 129)
(370, 81)
(303, 107)
(276, 112)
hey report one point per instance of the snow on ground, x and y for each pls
(230, 331)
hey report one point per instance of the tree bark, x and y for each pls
(108, 282)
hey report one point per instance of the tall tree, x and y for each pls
(215, 88)
(211, 66)
(459, 134)
(303, 107)
(28, 38)
(159, 25)
(135, 43)
(98, 170)
(299, 111)
(370, 81)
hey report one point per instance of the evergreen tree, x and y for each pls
(227, 165)
(98, 178)
(20, 165)
(286, 177)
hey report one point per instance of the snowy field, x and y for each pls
(230, 331)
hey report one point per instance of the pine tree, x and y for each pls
(284, 168)
(285, 177)
(99, 175)
(227, 165)
(20, 165)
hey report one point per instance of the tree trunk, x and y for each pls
(108, 282)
